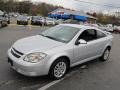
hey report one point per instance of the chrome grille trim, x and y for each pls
(16, 53)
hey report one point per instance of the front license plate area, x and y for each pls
(10, 61)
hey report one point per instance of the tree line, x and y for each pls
(27, 7)
(105, 18)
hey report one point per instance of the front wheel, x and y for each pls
(58, 69)
(105, 55)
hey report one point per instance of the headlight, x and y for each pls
(34, 57)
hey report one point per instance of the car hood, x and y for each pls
(36, 44)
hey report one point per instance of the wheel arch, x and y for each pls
(56, 58)
(109, 47)
(67, 59)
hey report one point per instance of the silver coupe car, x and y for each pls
(57, 49)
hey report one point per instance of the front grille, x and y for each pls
(16, 53)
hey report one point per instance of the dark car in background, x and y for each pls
(7, 16)
(8, 19)
(3, 21)
(37, 20)
(22, 20)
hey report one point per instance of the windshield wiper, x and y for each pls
(42, 35)
(51, 37)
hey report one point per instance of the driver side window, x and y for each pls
(88, 35)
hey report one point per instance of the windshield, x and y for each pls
(37, 18)
(61, 33)
(22, 17)
(49, 19)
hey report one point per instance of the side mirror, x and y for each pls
(81, 41)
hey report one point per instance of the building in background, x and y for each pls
(72, 14)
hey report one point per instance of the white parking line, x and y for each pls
(50, 84)
(18, 25)
(57, 81)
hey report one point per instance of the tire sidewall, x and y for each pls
(51, 72)
(0, 24)
(102, 58)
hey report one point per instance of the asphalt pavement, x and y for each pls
(94, 75)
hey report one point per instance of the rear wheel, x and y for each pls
(18, 22)
(58, 68)
(26, 23)
(105, 55)
(8, 22)
(0, 24)
(32, 23)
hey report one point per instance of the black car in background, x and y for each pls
(37, 20)
(22, 20)
(8, 19)
(3, 21)
(7, 16)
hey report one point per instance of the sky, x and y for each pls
(73, 4)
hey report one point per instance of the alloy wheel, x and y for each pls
(106, 54)
(60, 69)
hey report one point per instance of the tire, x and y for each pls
(55, 66)
(18, 22)
(8, 22)
(26, 23)
(105, 55)
(0, 24)
(32, 23)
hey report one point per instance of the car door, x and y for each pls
(4, 21)
(89, 50)
(102, 41)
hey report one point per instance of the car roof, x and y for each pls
(79, 26)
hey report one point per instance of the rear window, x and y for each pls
(100, 34)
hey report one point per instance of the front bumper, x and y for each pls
(22, 22)
(26, 68)
(37, 22)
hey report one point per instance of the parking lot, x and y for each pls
(94, 75)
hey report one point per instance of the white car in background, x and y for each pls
(109, 28)
(59, 21)
(117, 29)
(49, 21)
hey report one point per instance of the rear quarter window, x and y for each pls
(100, 34)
